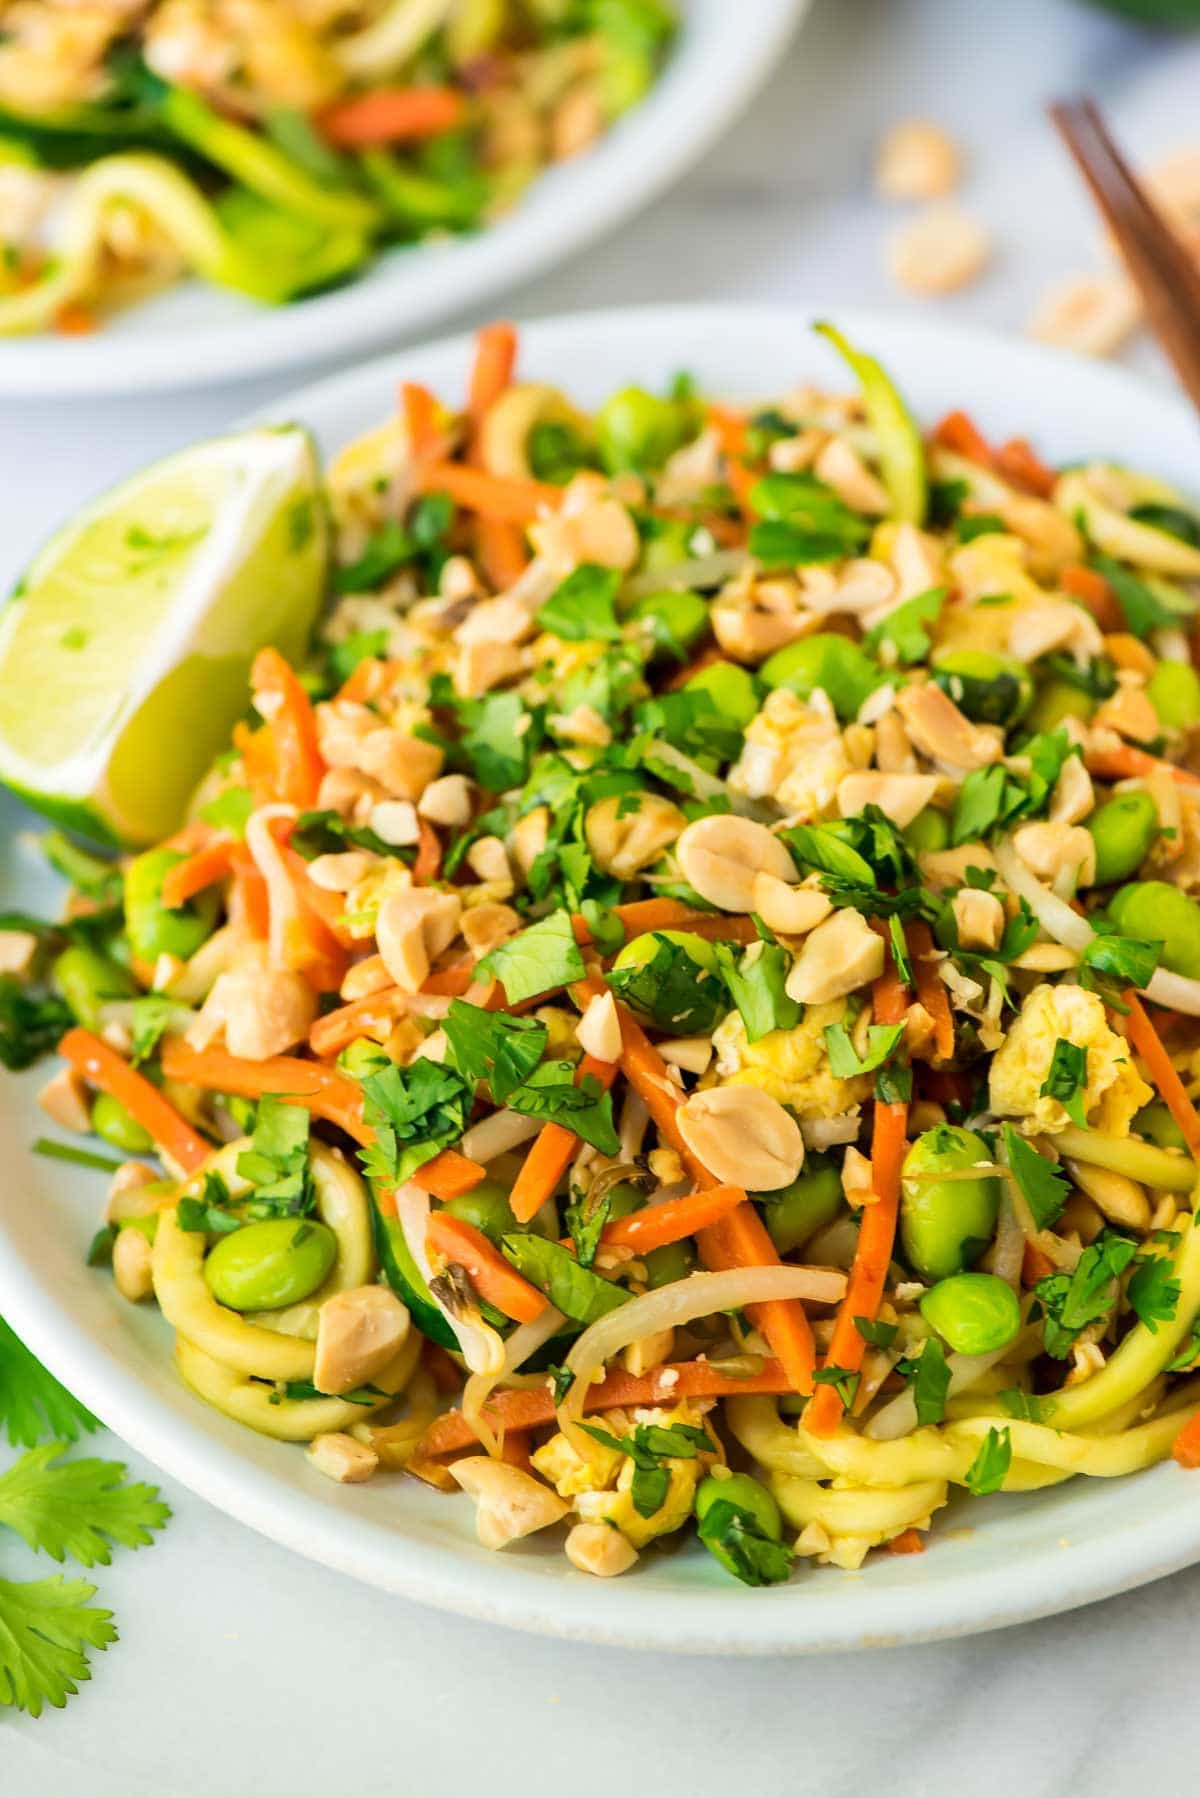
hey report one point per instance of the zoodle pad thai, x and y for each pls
(276, 146)
(681, 1012)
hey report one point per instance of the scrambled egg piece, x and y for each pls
(603, 1489)
(794, 755)
(991, 565)
(790, 1065)
(1114, 1090)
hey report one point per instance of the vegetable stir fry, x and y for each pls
(685, 1012)
(276, 148)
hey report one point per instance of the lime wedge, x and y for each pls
(125, 650)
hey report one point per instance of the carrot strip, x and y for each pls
(200, 870)
(372, 1016)
(499, 544)
(876, 1232)
(488, 1271)
(392, 115)
(1128, 763)
(1035, 1265)
(258, 760)
(1161, 1069)
(673, 1220)
(449, 1175)
(492, 370)
(740, 1239)
(364, 681)
(1017, 461)
(931, 991)
(103, 1067)
(730, 431)
(908, 1542)
(960, 433)
(429, 853)
(497, 496)
(552, 1151)
(532, 1407)
(670, 914)
(249, 902)
(298, 762)
(75, 320)
(1186, 1449)
(646, 1072)
(328, 908)
(1086, 584)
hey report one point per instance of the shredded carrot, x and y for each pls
(1128, 763)
(502, 552)
(552, 1151)
(330, 908)
(372, 1016)
(450, 983)
(258, 760)
(391, 115)
(101, 1066)
(75, 320)
(646, 1072)
(421, 413)
(877, 1230)
(530, 1407)
(364, 681)
(490, 495)
(730, 429)
(1017, 461)
(1186, 1448)
(514, 1448)
(1035, 1265)
(492, 370)
(740, 1239)
(293, 727)
(960, 433)
(1088, 585)
(673, 1220)
(931, 990)
(908, 1542)
(670, 914)
(202, 869)
(429, 853)
(1161, 1070)
(449, 1175)
(249, 902)
(490, 1274)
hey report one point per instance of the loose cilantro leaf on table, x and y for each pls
(1066, 1080)
(1043, 1186)
(989, 1469)
(493, 1047)
(540, 959)
(46, 1629)
(582, 608)
(32, 1403)
(576, 1291)
(78, 1507)
(415, 1112)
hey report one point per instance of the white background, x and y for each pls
(242, 1670)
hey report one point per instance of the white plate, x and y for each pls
(1016, 1557)
(194, 333)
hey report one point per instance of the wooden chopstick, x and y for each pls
(1164, 272)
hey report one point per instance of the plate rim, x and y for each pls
(644, 154)
(1117, 1557)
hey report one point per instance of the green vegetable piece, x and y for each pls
(86, 979)
(487, 1207)
(115, 1125)
(1174, 690)
(676, 621)
(268, 1265)
(1123, 830)
(945, 1225)
(901, 451)
(153, 928)
(731, 688)
(674, 1261)
(832, 663)
(989, 689)
(749, 1495)
(1057, 700)
(1154, 1121)
(637, 430)
(574, 1290)
(642, 949)
(1156, 912)
(976, 1313)
(739, 1523)
(928, 832)
(798, 1211)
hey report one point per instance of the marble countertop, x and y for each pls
(243, 1670)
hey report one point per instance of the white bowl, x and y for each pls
(989, 1562)
(194, 333)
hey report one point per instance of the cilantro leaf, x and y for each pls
(387, 549)
(1043, 1186)
(328, 833)
(46, 1629)
(671, 989)
(230, 810)
(576, 1291)
(77, 1507)
(875, 1334)
(1152, 1292)
(804, 521)
(929, 1378)
(1070, 1302)
(539, 960)
(1025, 1405)
(30, 1024)
(585, 1224)
(903, 628)
(583, 1106)
(32, 1403)
(757, 981)
(989, 1469)
(583, 607)
(152, 1016)
(1148, 605)
(845, 1062)
(648, 1446)
(1066, 1080)
(843, 1380)
(499, 736)
(276, 1163)
(493, 1047)
(359, 646)
(414, 1112)
(1115, 962)
(740, 1545)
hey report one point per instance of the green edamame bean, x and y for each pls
(1154, 1121)
(624, 1199)
(929, 831)
(1174, 692)
(812, 1200)
(750, 1499)
(638, 430)
(674, 1261)
(670, 544)
(487, 1207)
(731, 688)
(153, 929)
(945, 1225)
(976, 1313)
(844, 672)
(1155, 912)
(989, 689)
(642, 949)
(1057, 700)
(268, 1265)
(1123, 830)
(677, 620)
(114, 1124)
(86, 979)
